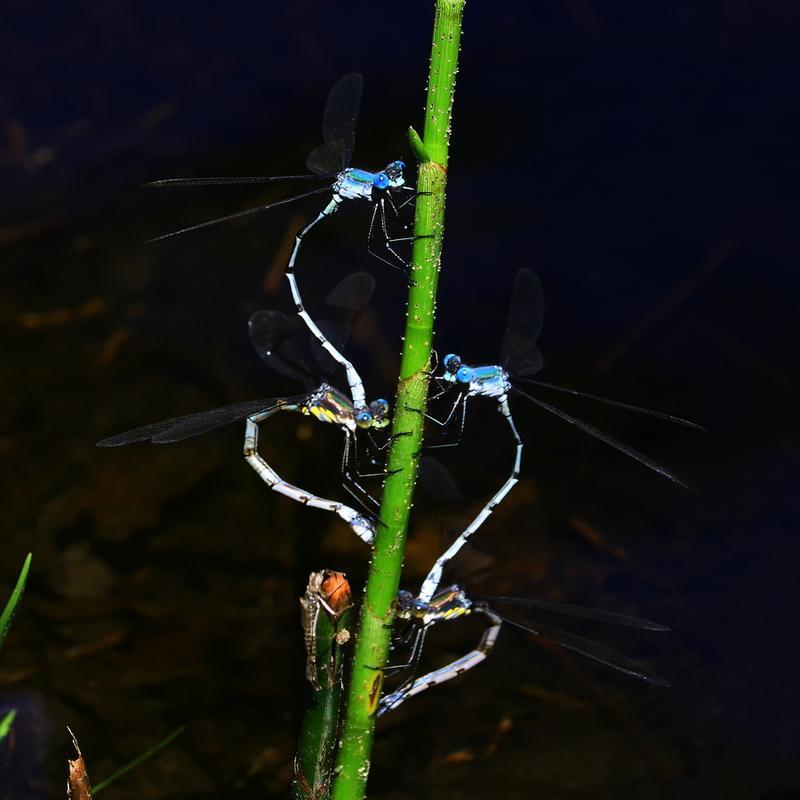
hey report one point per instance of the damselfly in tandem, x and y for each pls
(274, 338)
(453, 603)
(520, 360)
(329, 162)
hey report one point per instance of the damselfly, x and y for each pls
(453, 603)
(329, 162)
(273, 337)
(520, 359)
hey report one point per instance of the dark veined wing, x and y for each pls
(179, 428)
(274, 337)
(603, 437)
(166, 183)
(591, 649)
(246, 213)
(617, 404)
(338, 126)
(578, 612)
(519, 353)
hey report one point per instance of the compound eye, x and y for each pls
(400, 165)
(381, 180)
(464, 375)
(451, 362)
(379, 408)
(364, 419)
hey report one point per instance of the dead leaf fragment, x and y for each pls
(78, 786)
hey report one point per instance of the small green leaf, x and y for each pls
(6, 723)
(11, 605)
(138, 760)
(418, 147)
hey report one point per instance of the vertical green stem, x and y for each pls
(383, 582)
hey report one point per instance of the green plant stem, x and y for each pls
(383, 582)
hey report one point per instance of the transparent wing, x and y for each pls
(636, 409)
(179, 428)
(343, 306)
(437, 481)
(591, 649)
(238, 214)
(519, 353)
(352, 293)
(603, 437)
(338, 126)
(274, 337)
(165, 183)
(579, 612)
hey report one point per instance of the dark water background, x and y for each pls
(642, 158)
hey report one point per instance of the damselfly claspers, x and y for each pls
(329, 162)
(453, 603)
(520, 359)
(272, 336)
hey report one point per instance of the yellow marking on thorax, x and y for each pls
(323, 414)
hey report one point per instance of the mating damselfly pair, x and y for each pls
(314, 361)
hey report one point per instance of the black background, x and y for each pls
(642, 158)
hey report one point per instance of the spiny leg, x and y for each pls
(389, 240)
(413, 196)
(349, 481)
(434, 577)
(399, 263)
(414, 657)
(362, 527)
(450, 671)
(461, 402)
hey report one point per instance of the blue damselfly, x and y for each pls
(520, 360)
(329, 162)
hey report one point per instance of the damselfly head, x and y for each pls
(376, 415)
(380, 413)
(404, 604)
(364, 418)
(451, 363)
(381, 180)
(394, 174)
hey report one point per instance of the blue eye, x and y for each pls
(379, 408)
(451, 362)
(381, 180)
(464, 375)
(364, 419)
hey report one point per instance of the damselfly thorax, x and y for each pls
(486, 381)
(449, 603)
(330, 405)
(360, 184)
